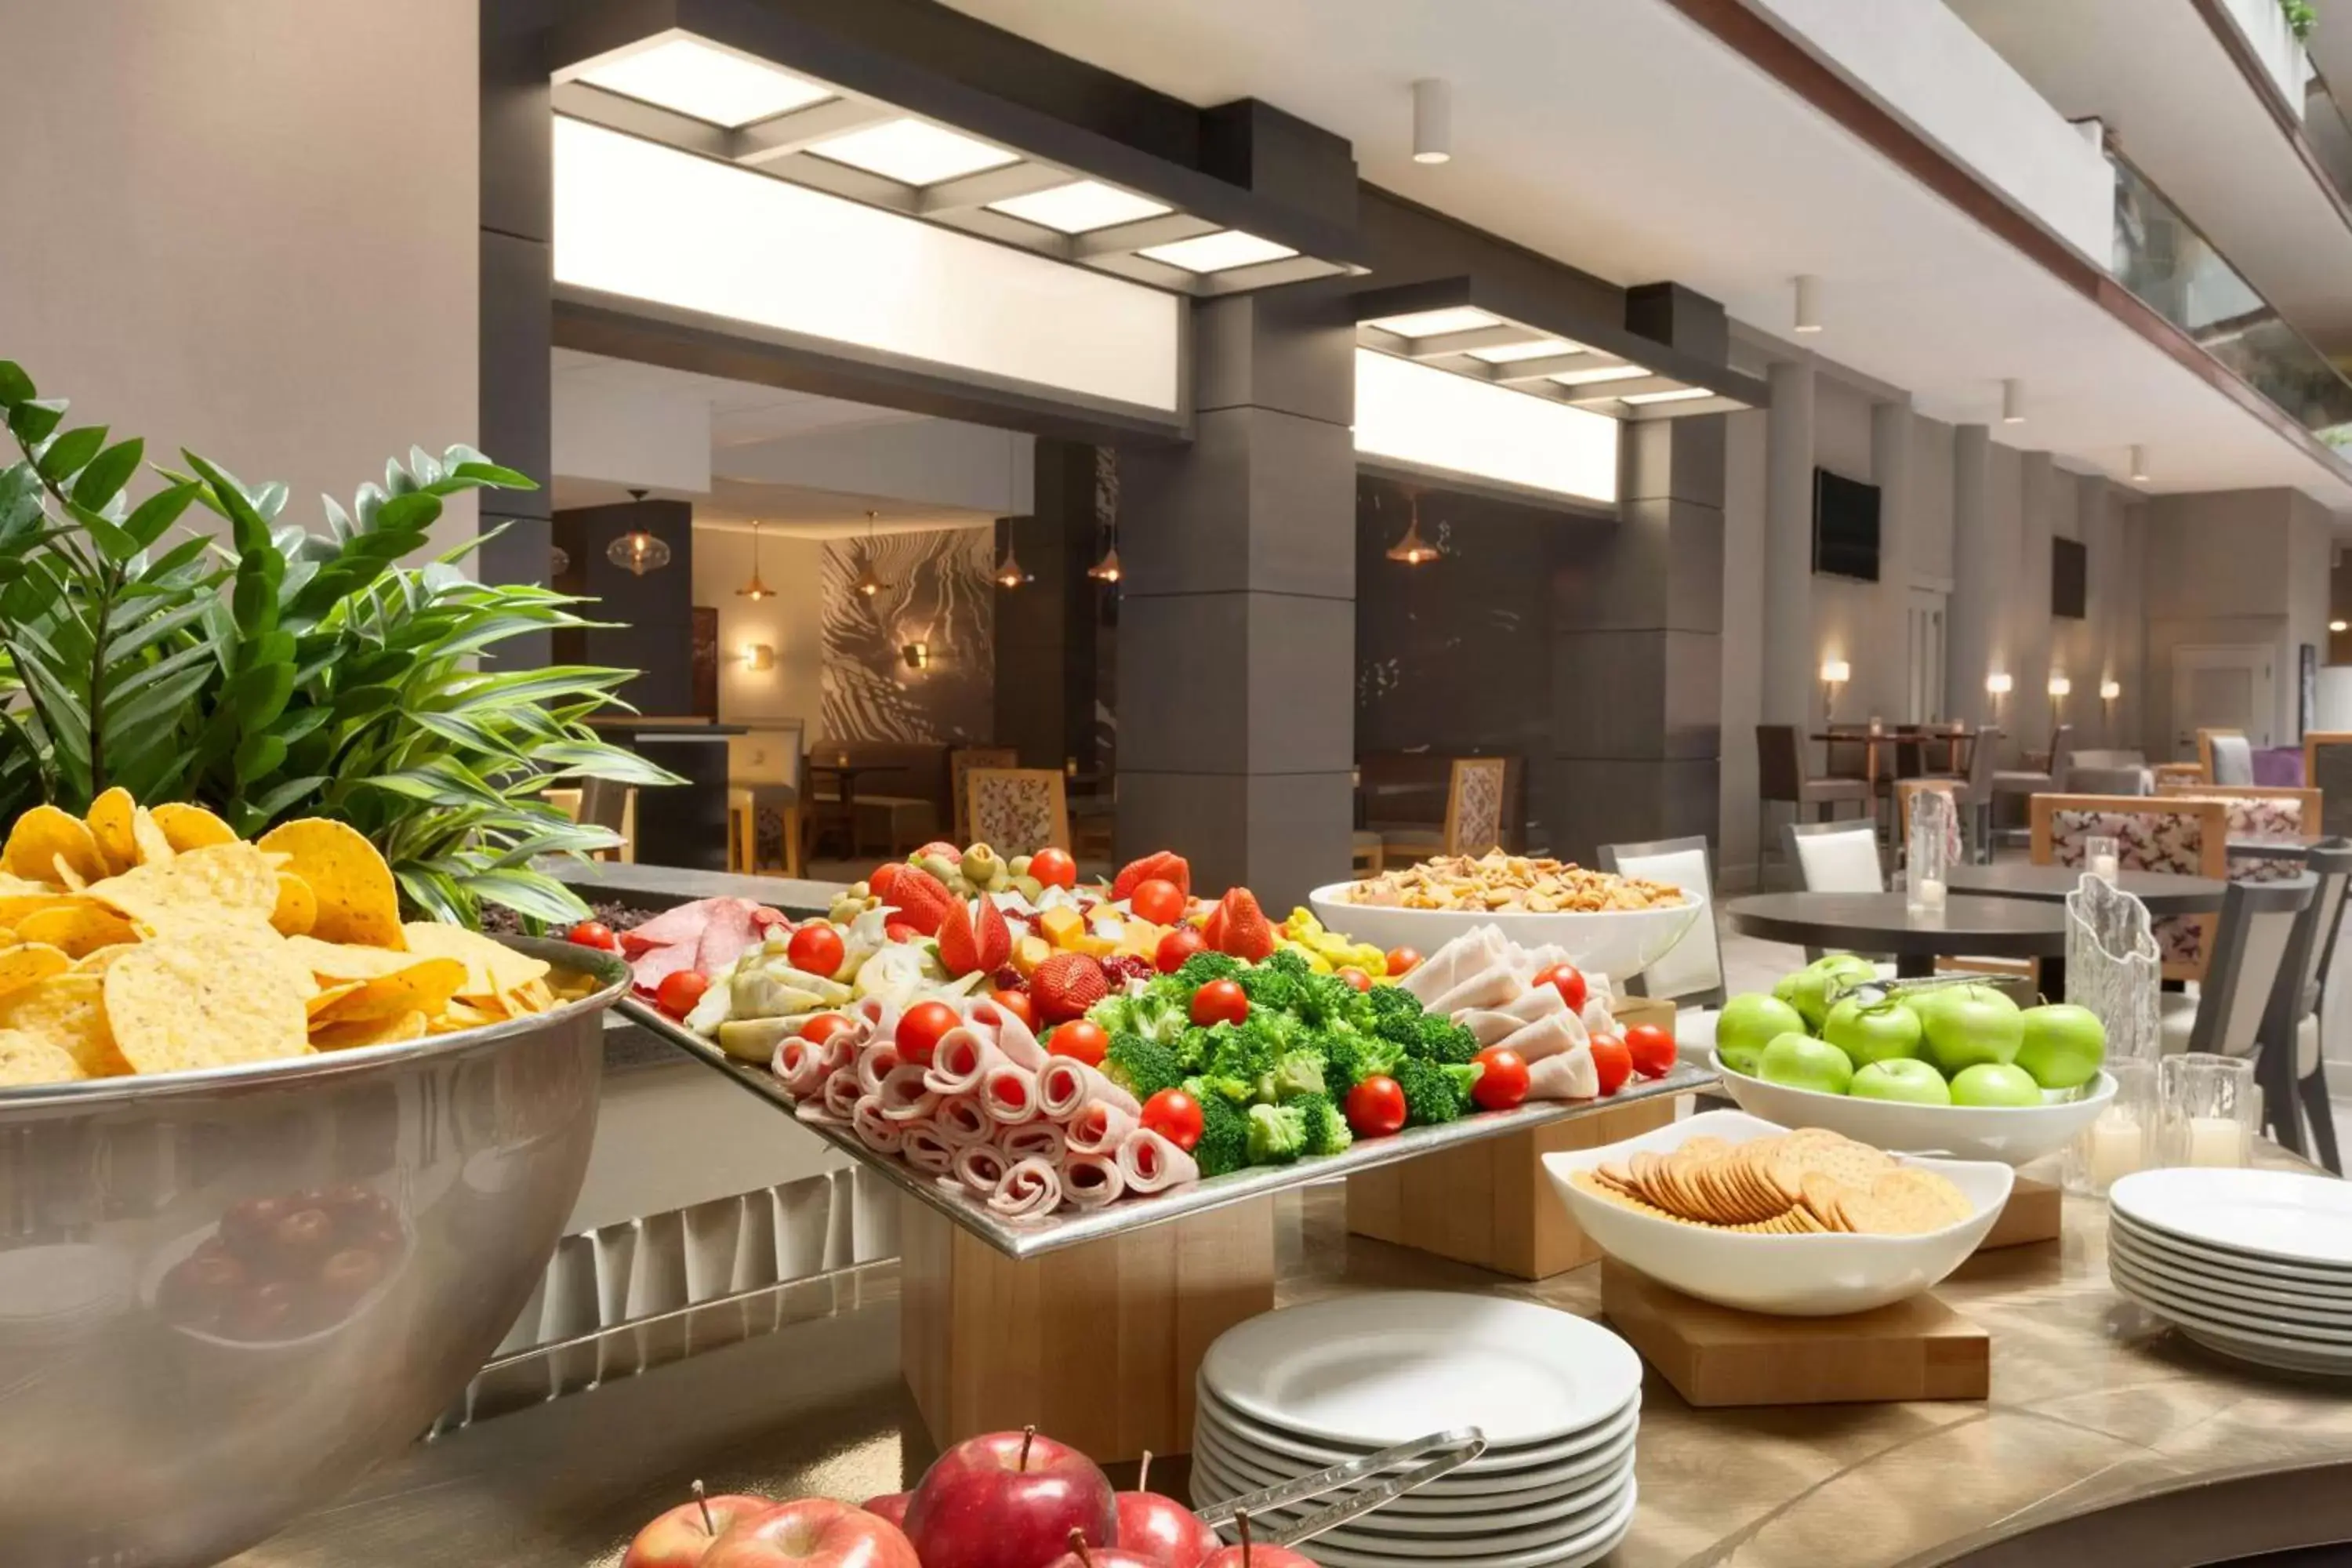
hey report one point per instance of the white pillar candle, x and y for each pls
(1931, 893)
(2118, 1147)
(2216, 1140)
(2104, 867)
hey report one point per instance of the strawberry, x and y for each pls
(1066, 986)
(975, 939)
(922, 900)
(884, 876)
(1166, 867)
(1239, 927)
(995, 936)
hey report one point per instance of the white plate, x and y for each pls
(1464, 1489)
(1589, 1547)
(2264, 1349)
(2283, 1215)
(2010, 1134)
(2293, 1276)
(1551, 1501)
(2317, 1338)
(1792, 1276)
(1503, 1465)
(1395, 1365)
(2195, 1278)
(1620, 943)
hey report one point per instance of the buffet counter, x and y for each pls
(2106, 1437)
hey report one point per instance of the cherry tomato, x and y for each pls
(1175, 1116)
(680, 991)
(1016, 1003)
(1651, 1049)
(1570, 981)
(1356, 977)
(1376, 1107)
(1615, 1062)
(1176, 947)
(823, 1027)
(1054, 867)
(919, 1029)
(1220, 1002)
(817, 950)
(1080, 1037)
(593, 933)
(1401, 960)
(1504, 1083)
(1158, 900)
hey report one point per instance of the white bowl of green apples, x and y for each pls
(1950, 1067)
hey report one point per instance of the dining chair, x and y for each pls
(1692, 970)
(2259, 811)
(2178, 773)
(2182, 834)
(607, 803)
(1475, 794)
(2226, 756)
(1781, 780)
(1019, 810)
(1834, 858)
(2023, 784)
(2294, 1079)
(764, 784)
(1367, 853)
(961, 760)
(2232, 1011)
(2328, 768)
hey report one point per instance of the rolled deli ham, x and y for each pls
(1065, 1085)
(1091, 1181)
(1099, 1128)
(1570, 1075)
(905, 1095)
(1548, 1038)
(801, 1066)
(1151, 1163)
(927, 1151)
(1012, 1037)
(961, 1060)
(874, 1065)
(959, 1119)
(1031, 1190)
(1033, 1140)
(1009, 1093)
(874, 1129)
(980, 1168)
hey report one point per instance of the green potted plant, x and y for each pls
(280, 672)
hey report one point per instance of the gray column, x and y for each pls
(1791, 665)
(1046, 627)
(1971, 644)
(515, 307)
(1237, 624)
(1882, 673)
(2029, 602)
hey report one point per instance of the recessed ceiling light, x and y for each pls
(706, 83)
(1680, 395)
(913, 152)
(2013, 402)
(1429, 323)
(1218, 252)
(1587, 377)
(1079, 207)
(1542, 348)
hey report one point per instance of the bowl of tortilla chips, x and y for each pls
(243, 1099)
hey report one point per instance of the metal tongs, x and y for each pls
(1445, 1452)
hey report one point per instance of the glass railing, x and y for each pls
(2160, 256)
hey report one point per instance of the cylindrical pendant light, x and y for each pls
(1809, 303)
(1433, 120)
(2013, 402)
(2140, 464)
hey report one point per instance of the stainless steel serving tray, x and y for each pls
(1030, 1238)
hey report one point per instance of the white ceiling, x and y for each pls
(1619, 137)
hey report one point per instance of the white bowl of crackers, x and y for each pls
(1607, 924)
(1732, 1209)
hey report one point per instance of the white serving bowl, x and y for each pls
(2012, 1135)
(1788, 1275)
(1620, 943)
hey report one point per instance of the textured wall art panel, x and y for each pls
(938, 593)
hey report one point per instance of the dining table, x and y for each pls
(2164, 892)
(1978, 927)
(845, 800)
(2274, 846)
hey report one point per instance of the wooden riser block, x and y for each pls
(2031, 1214)
(1919, 1349)
(1490, 1203)
(1098, 1345)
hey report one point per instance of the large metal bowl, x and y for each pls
(131, 1435)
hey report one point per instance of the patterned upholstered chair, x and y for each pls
(1018, 810)
(961, 762)
(2257, 811)
(2182, 835)
(1475, 789)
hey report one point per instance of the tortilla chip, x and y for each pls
(199, 890)
(327, 995)
(460, 1015)
(175, 1005)
(425, 986)
(492, 968)
(68, 879)
(68, 1011)
(97, 961)
(409, 1025)
(358, 901)
(25, 1059)
(78, 928)
(187, 827)
(28, 964)
(332, 960)
(47, 842)
(298, 906)
(154, 846)
(109, 816)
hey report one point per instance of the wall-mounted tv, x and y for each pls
(1845, 527)
(2070, 579)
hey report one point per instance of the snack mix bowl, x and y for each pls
(180, 1373)
(1618, 944)
(2014, 1135)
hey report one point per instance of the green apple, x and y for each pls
(1814, 989)
(1907, 1078)
(1747, 1024)
(1995, 1083)
(1799, 1061)
(1961, 1025)
(1877, 1032)
(2063, 1045)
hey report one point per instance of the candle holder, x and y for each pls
(1928, 850)
(2210, 1109)
(2114, 967)
(2124, 1138)
(2103, 858)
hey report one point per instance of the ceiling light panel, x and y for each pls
(1680, 395)
(1430, 324)
(1542, 348)
(1605, 373)
(1434, 418)
(1219, 252)
(913, 152)
(1080, 207)
(708, 82)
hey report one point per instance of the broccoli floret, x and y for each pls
(1154, 1015)
(1326, 1130)
(1141, 1067)
(1298, 1072)
(1288, 961)
(1434, 1094)
(1392, 1001)
(1351, 1058)
(1326, 1001)
(1245, 1051)
(1277, 1134)
(1224, 1134)
(1203, 967)
(1270, 989)
(1429, 1038)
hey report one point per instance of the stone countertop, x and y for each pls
(2108, 1439)
(660, 887)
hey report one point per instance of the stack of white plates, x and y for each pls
(2253, 1264)
(1558, 1397)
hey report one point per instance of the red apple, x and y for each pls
(817, 1530)
(1160, 1527)
(891, 1506)
(1249, 1554)
(1081, 1555)
(679, 1538)
(1009, 1499)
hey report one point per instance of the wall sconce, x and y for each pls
(2109, 691)
(2060, 687)
(2338, 626)
(1997, 686)
(1835, 673)
(760, 656)
(917, 654)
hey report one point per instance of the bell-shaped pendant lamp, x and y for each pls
(1413, 550)
(755, 589)
(868, 583)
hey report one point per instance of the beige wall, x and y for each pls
(249, 230)
(793, 623)
(2245, 567)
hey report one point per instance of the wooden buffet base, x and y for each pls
(2031, 1215)
(1096, 1344)
(1919, 1349)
